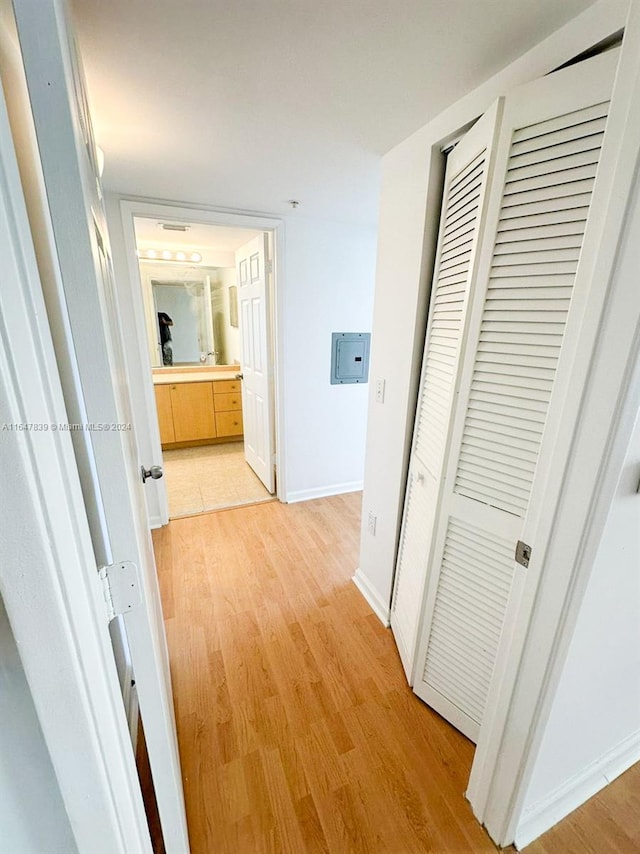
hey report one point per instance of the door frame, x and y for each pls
(50, 585)
(582, 471)
(137, 357)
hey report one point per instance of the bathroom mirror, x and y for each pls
(182, 328)
(188, 313)
(188, 279)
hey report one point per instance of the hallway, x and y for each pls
(297, 730)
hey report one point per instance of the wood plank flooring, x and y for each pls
(609, 823)
(297, 730)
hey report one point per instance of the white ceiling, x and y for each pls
(199, 236)
(250, 103)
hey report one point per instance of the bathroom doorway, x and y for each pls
(213, 402)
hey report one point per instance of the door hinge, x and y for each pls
(268, 265)
(523, 553)
(121, 587)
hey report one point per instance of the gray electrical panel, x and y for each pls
(350, 357)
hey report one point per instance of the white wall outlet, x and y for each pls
(380, 384)
(371, 523)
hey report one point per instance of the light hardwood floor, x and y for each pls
(297, 730)
(609, 823)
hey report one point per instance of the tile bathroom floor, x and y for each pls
(210, 477)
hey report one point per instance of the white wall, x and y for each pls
(32, 814)
(327, 287)
(593, 732)
(409, 206)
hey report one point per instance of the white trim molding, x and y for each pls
(377, 604)
(322, 491)
(540, 817)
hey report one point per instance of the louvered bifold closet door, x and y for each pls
(468, 167)
(546, 166)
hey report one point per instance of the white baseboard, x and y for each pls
(574, 792)
(156, 522)
(322, 492)
(379, 607)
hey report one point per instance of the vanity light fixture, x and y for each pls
(169, 255)
(173, 226)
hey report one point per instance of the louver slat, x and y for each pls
(546, 198)
(449, 302)
(576, 125)
(467, 622)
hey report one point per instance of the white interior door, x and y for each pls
(88, 341)
(546, 164)
(257, 405)
(48, 578)
(463, 209)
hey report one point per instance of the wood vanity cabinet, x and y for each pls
(193, 416)
(165, 414)
(199, 411)
(227, 401)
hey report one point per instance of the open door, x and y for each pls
(82, 303)
(469, 169)
(257, 406)
(49, 585)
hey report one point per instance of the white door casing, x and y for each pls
(254, 315)
(546, 162)
(469, 168)
(126, 264)
(107, 455)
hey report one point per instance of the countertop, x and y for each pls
(193, 377)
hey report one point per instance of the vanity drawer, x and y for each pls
(226, 387)
(227, 402)
(229, 423)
